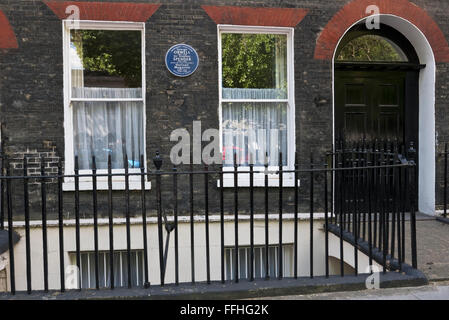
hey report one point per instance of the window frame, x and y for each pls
(259, 178)
(88, 255)
(287, 260)
(85, 183)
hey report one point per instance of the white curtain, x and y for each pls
(253, 129)
(254, 94)
(108, 128)
(105, 93)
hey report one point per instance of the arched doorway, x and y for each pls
(418, 115)
(376, 86)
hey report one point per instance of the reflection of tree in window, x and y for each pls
(254, 77)
(110, 54)
(253, 61)
(371, 48)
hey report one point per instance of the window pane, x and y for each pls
(102, 269)
(106, 64)
(108, 128)
(257, 263)
(254, 66)
(372, 48)
(273, 262)
(242, 263)
(92, 270)
(85, 272)
(134, 271)
(288, 260)
(254, 129)
(228, 259)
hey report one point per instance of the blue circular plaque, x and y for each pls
(181, 60)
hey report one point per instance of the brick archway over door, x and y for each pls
(7, 36)
(356, 10)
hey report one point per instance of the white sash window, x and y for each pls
(104, 99)
(257, 109)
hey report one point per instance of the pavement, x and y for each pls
(432, 239)
(434, 291)
(433, 261)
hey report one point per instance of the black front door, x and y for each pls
(370, 105)
(374, 105)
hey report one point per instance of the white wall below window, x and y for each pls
(87, 244)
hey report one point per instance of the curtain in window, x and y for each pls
(280, 74)
(103, 128)
(253, 129)
(108, 128)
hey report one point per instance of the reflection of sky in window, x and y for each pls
(75, 60)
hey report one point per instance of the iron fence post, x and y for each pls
(413, 185)
(157, 160)
(445, 179)
(12, 273)
(27, 224)
(61, 226)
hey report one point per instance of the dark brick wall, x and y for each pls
(31, 94)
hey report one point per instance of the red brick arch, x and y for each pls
(105, 11)
(356, 10)
(7, 36)
(256, 16)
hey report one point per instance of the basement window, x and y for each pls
(87, 269)
(259, 262)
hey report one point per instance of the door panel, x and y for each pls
(355, 124)
(369, 105)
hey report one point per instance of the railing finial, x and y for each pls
(157, 160)
(411, 152)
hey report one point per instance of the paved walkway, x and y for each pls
(435, 291)
(433, 260)
(433, 248)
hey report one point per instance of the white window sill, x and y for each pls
(243, 177)
(257, 183)
(103, 185)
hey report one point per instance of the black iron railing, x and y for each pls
(375, 196)
(445, 182)
(363, 190)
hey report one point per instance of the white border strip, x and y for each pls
(181, 219)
